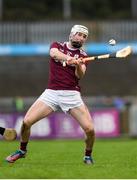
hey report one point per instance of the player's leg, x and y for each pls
(82, 115)
(8, 134)
(36, 112)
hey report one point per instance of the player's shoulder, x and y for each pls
(58, 43)
(82, 51)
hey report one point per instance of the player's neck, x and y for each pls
(70, 46)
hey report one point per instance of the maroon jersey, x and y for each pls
(64, 78)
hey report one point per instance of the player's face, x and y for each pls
(78, 40)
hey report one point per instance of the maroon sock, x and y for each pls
(23, 146)
(88, 152)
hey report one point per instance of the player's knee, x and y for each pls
(90, 131)
(27, 122)
(25, 125)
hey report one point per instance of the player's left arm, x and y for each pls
(80, 70)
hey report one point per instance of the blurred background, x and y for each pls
(110, 86)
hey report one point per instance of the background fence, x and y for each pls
(45, 32)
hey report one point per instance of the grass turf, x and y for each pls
(56, 159)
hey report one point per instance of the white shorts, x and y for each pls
(64, 99)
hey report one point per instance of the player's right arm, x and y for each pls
(55, 53)
(60, 56)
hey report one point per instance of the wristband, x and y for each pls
(65, 61)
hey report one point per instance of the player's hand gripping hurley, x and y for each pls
(123, 53)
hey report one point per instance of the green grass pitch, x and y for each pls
(62, 159)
